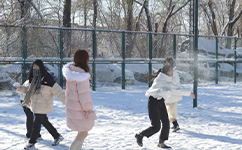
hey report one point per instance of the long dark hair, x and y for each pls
(81, 59)
(165, 69)
(41, 67)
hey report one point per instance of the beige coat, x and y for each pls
(42, 103)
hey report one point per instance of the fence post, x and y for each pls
(235, 57)
(61, 55)
(216, 67)
(123, 57)
(174, 46)
(94, 57)
(195, 54)
(24, 53)
(150, 57)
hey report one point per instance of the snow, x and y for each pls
(214, 124)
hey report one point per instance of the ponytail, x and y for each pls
(156, 74)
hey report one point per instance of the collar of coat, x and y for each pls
(163, 78)
(74, 76)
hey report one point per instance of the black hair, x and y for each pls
(165, 69)
(41, 67)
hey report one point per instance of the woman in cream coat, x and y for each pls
(40, 90)
(171, 103)
(79, 107)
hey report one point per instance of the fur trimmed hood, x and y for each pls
(74, 75)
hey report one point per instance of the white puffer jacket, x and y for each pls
(163, 87)
(175, 81)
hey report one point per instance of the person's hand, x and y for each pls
(87, 113)
(17, 85)
(193, 95)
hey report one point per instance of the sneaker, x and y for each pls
(163, 145)
(176, 129)
(57, 141)
(139, 138)
(29, 146)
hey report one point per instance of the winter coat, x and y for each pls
(176, 82)
(163, 87)
(79, 107)
(42, 101)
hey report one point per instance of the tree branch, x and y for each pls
(38, 12)
(180, 7)
(171, 13)
(236, 18)
(231, 22)
(138, 20)
(138, 2)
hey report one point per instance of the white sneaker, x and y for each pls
(29, 146)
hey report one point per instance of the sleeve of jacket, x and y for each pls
(181, 91)
(165, 93)
(84, 95)
(57, 91)
(176, 78)
(159, 92)
(24, 88)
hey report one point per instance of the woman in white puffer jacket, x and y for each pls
(161, 90)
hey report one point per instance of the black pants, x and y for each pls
(157, 114)
(29, 121)
(42, 119)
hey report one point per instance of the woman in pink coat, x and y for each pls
(79, 107)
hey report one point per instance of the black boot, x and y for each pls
(175, 126)
(161, 144)
(139, 138)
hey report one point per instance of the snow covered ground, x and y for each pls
(215, 124)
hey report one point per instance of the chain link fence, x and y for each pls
(118, 59)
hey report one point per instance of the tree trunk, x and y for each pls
(129, 21)
(85, 22)
(230, 25)
(67, 23)
(162, 51)
(25, 5)
(213, 20)
(95, 13)
(67, 14)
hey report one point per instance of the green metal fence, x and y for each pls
(51, 45)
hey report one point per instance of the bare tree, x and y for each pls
(95, 5)
(162, 51)
(67, 23)
(231, 21)
(210, 15)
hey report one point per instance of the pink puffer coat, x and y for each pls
(79, 107)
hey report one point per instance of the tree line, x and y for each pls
(220, 17)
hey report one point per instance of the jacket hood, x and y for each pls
(71, 75)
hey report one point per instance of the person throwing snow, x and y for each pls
(161, 89)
